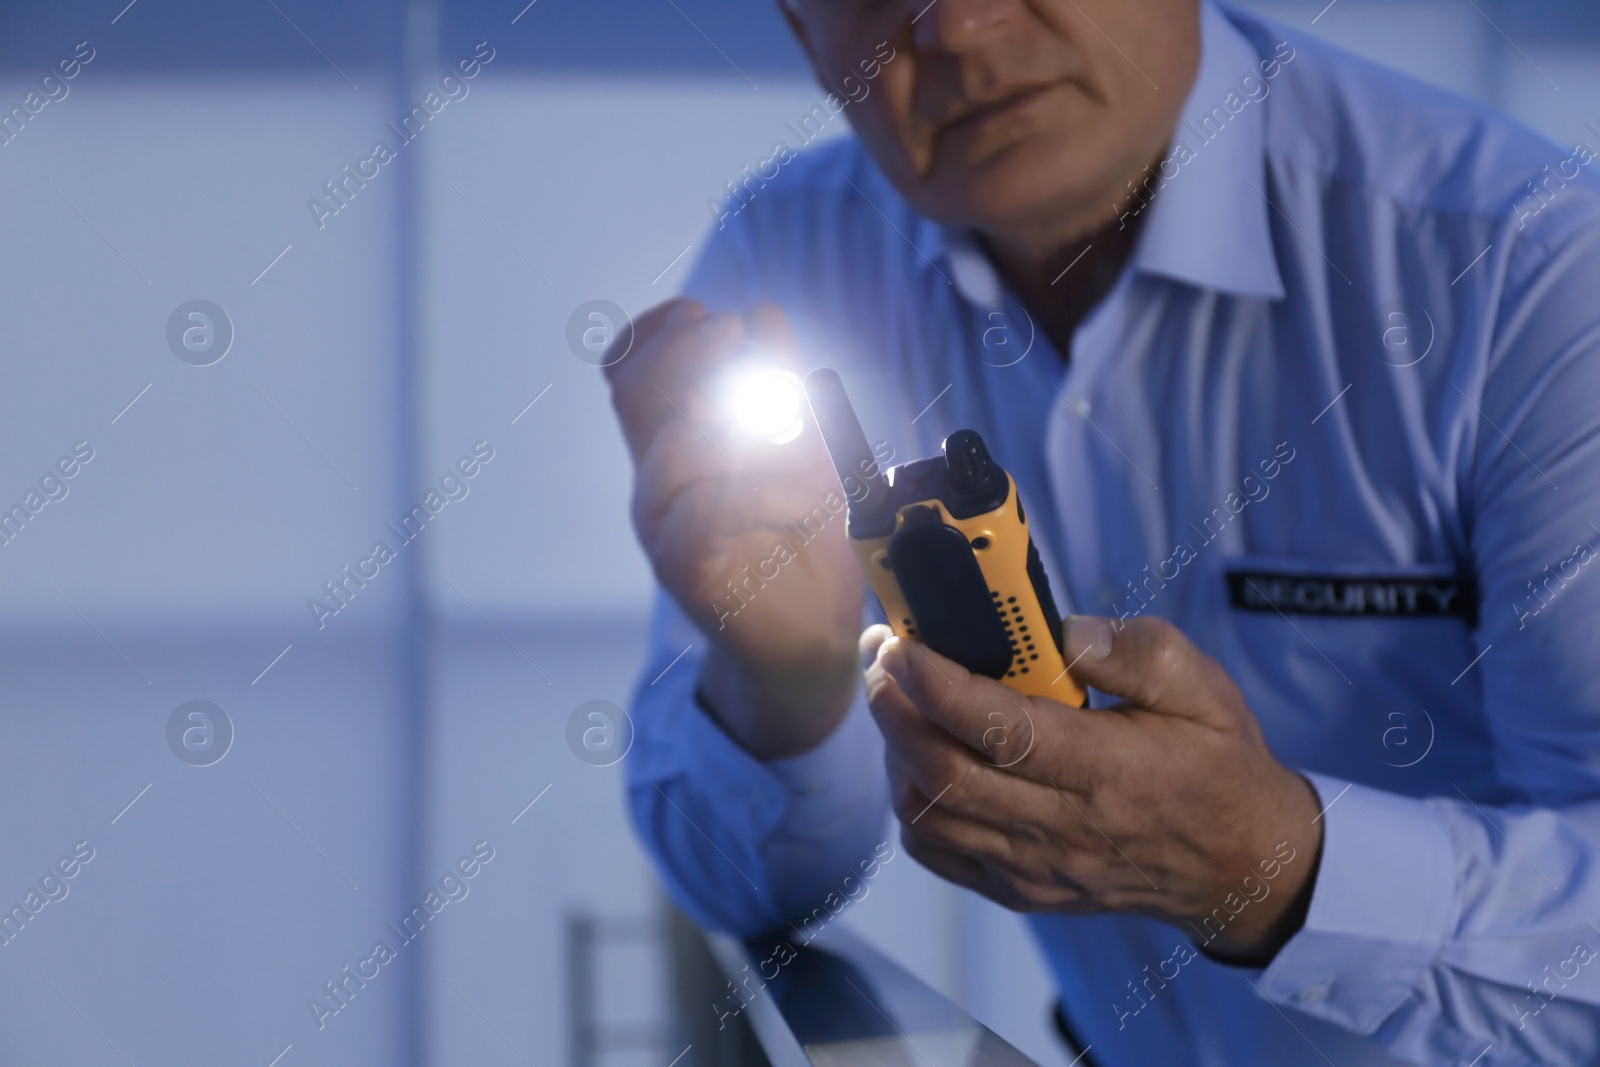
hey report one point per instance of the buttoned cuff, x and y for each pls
(1381, 910)
(829, 785)
(811, 795)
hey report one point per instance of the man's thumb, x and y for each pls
(1145, 661)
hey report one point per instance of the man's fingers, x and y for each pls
(679, 455)
(1147, 662)
(1030, 736)
(944, 768)
(1005, 889)
(872, 639)
(661, 377)
(941, 825)
(937, 762)
(951, 866)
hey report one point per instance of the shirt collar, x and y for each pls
(1209, 225)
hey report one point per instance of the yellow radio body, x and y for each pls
(944, 543)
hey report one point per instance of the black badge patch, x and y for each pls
(1349, 595)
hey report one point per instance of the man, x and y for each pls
(1294, 363)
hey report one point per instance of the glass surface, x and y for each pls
(838, 1002)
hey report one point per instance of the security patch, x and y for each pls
(1347, 595)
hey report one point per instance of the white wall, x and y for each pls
(202, 501)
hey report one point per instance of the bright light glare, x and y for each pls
(766, 402)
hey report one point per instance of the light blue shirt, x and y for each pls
(1355, 357)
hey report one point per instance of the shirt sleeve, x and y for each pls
(1465, 925)
(741, 844)
(745, 845)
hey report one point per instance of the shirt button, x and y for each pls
(1315, 994)
(1080, 406)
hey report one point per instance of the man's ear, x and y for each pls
(801, 34)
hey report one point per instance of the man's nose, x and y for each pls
(959, 25)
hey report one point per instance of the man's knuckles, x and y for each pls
(1168, 653)
(641, 331)
(1154, 665)
(1149, 657)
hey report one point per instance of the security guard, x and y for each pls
(1295, 361)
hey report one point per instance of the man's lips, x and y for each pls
(977, 115)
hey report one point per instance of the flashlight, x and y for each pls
(764, 401)
(944, 543)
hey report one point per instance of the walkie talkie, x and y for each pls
(945, 546)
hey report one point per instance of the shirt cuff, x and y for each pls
(1381, 910)
(801, 794)
(748, 796)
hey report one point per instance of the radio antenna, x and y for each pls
(852, 456)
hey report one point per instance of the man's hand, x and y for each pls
(711, 505)
(1169, 805)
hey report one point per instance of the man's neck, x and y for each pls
(1060, 288)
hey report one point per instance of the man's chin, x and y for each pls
(1020, 192)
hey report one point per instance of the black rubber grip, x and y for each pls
(946, 591)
